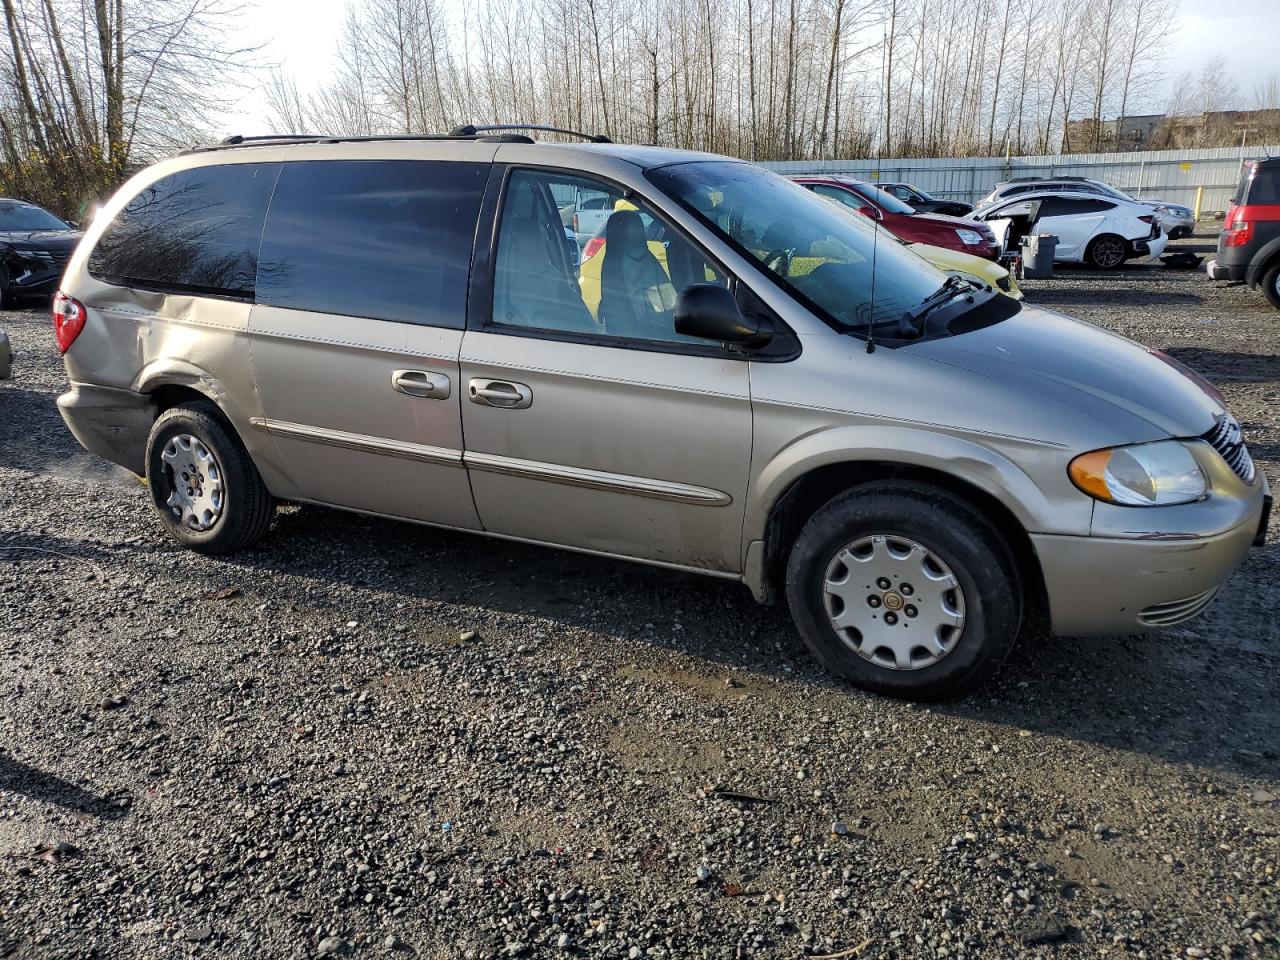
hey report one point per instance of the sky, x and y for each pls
(301, 36)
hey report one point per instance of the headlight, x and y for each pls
(1145, 475)
(1164, 210)
(970, 237)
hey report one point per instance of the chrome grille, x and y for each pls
(1228, 439)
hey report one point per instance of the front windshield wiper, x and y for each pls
(912, 322)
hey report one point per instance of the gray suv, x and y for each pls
(735, 378)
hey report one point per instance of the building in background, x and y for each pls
(1156, 131)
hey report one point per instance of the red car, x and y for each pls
(954, 233)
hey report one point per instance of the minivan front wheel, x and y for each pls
(905, 589)
(205, 487)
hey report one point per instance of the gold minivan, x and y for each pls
(396, 326)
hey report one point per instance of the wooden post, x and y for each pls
(1199, 198)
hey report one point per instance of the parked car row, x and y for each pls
(1101, 230)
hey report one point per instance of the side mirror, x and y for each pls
(869, 211)
(709, 311)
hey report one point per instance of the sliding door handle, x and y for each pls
(499, 393)
(421, 383)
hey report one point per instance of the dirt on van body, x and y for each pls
(296, 752)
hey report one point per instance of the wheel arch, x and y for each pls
(1009, 504)
(1086, 255)
(1268, 256)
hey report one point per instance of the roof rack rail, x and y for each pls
(1033, 179)
(266, 140)
(472, 129)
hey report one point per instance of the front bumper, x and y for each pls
(109, 422)
(1100, 586)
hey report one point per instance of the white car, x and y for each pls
(1175, 219)
(1102, 232)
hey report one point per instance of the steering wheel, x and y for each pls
(781, 256)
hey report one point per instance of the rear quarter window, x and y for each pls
(380, 239)
(194, 231)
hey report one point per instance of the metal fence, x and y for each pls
(1203, 179)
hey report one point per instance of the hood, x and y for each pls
(1126, 389)
(41, 239)
(944, 220)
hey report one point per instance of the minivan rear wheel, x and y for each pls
(1107, 252)
(905, 589)
(204, 485)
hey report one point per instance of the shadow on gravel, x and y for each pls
(1103, 295)
(1228, 364)
(1169, 697)
(18, 777)
(32, 434)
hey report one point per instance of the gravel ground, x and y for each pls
(374, 739)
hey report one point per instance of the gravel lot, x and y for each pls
(367, 738)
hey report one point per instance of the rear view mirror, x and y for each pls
(710, 312)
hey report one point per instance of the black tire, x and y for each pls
(247, 507)
(954, 532)
(1271, 284)
(1100, 254)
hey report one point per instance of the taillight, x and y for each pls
(575, 223)
(1239, 233)
(1148, 219)
(594, 246)
(68, 320)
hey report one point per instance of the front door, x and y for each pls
(589, 422)
(362, 286)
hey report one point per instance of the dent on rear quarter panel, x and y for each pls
(142, 340)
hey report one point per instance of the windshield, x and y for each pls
(886, 200)
(810, 247)
(24, 216)
(1109, 190)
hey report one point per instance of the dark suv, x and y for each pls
(34, 249)
(1249, 244)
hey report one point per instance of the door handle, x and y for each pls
(421, 383)
(499, 393)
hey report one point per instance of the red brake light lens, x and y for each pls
(68, 320)
(594, 246)
(1239, 233)
(1149, 218)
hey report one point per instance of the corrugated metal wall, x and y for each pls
(1173, 175)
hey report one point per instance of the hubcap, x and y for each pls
(1108, 253)
(894, 602)
(195, 482)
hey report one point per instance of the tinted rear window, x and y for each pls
(195, 231)
(383, 239)
(1264, 187)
